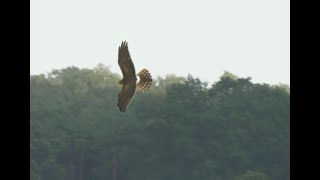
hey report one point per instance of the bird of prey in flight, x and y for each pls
(129, 80)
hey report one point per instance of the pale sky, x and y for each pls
(249, 38)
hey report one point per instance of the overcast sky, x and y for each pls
(250, 38)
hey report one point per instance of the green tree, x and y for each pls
(180, 129)
(252, 175)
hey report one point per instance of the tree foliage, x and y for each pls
(182, 129)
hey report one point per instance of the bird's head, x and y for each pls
(121, 81)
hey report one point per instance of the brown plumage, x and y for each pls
(129, 80)
(145, 80)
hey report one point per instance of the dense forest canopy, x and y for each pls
(182, 129)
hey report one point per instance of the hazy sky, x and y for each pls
(200, 37)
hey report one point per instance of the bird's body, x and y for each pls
(129, 80)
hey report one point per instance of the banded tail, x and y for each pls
(145, 80)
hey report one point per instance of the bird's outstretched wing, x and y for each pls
(129, 77)
(125, 62)
(126, 95)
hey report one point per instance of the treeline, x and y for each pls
(182, 129)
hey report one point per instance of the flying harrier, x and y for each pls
(129, 80)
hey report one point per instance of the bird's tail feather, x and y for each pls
(145, 80)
